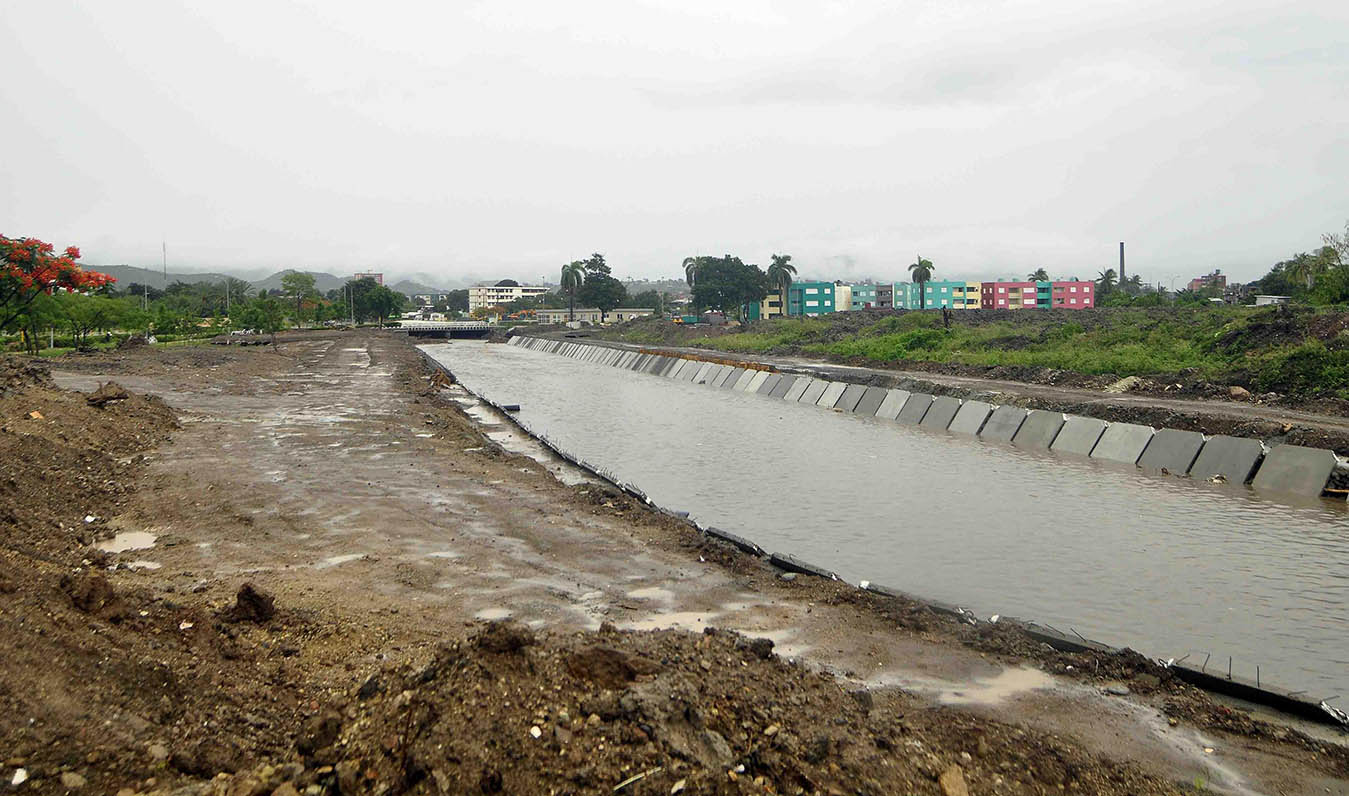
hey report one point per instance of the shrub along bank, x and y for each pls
(1299, 352)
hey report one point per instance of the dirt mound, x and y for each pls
(63, 469)
(18, 373)
(667, 712)
(108, 686)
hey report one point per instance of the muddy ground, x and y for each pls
(353, 589)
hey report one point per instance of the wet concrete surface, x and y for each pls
(320, 482)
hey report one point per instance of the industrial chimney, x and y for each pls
(1121, 262)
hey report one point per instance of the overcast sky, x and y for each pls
(505, 138)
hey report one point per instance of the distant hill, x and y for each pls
(323, 282)
(677, 287)
(127, 274)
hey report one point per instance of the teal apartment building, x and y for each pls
(810, 298)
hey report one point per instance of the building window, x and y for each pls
(812, 303)
(812, 291)
(1072, 290)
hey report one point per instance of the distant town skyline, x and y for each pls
(467, 141)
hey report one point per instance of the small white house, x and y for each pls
(1265, 301)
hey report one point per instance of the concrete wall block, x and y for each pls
(733, 377)
(971, 417)
(1295, 470)
(784, 384)
(914, 408)
(851, 395)
(701, 375)
(1229, 458)
(1078, 435)
(893, 403)
(798, 389)
(833, 390)
(939, 416)
(767, 386)
(813, 392)
(1171, 451)
(871, 402)
(1039, 429)
(756, 381)
(690, 370)
(1123, 442)
(742, 383)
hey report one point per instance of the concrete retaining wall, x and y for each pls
(1287, 469)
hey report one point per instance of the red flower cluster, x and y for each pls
(28, 265)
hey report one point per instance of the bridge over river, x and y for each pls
(451, 329)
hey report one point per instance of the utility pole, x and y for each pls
(1121, 263)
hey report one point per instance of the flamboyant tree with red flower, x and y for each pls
(30, 268)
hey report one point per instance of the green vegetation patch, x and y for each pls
(1280, 349)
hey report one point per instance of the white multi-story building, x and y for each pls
(481, 296)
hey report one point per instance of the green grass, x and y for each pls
(1258, 347)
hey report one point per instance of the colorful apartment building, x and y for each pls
(810, 298)
(1074, 295)
(770, 307)
(1036, 295)
(865, 297)
(818, 298)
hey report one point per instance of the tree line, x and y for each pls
(43, 294)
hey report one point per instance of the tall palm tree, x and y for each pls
(1105, 281)
(780, 275)
(691, 265)
(573, 274)
(1038, 275)
(922, 274)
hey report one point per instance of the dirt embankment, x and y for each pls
(194, 680)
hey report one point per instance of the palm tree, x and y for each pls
(1105, 282)
(922, 274)
(1038, 275)
(780, 275)
(691, 265)
(573, 274)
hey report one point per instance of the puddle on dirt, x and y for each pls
(988, 690)
(143, 565)
(444, 554)
(128, 540)
(492, 614)
(675, 620)
(333, 561)
(652, 593)
(993, 690)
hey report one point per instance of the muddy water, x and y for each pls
(1164, 565)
